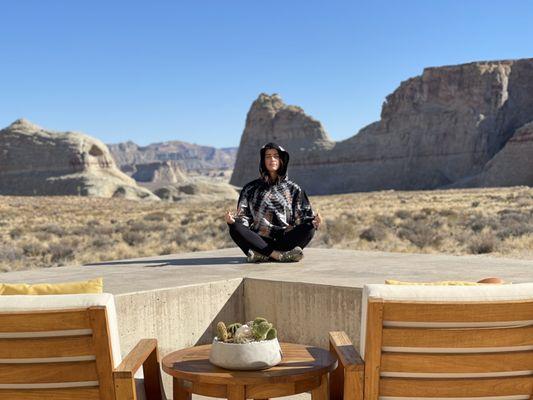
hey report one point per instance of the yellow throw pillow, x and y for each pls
(82, 287)
(441, 283)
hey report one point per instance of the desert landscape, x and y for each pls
(37, 232)
(447, 169)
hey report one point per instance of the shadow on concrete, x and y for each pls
(178, 261)
(231, 311)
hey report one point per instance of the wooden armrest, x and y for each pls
(347, 381)
(144, 353)
(348, 356)
(136, 357)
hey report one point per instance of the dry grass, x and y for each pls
(53, 231)
(470, 221)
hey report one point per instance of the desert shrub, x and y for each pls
(157, 216)
(89, 230)
(43, 236)
(61, 252)
(373, 234)
(185, 221)
(514, 223)
(15, 233)
(349, 216)
(419, 216)
(402, 214)
(53, 229)
(420, 234)
(166, 250)
(477, 222)
(474, 204)
(100, 243)
(133, 238)
(156, 227)
(482, 244)
(340, 229)
(104, 231)
(448, 212)
(179, 237)
(138, 226)
(33, 249)
(10, 253)
(385, 220)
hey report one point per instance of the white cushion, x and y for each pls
(19, 303)
(414, 293)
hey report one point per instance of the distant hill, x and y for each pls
(188, 157)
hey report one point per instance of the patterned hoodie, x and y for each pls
(268, 208)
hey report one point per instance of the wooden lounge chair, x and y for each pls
(66, 347)
(439, 342)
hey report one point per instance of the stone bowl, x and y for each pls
(247, 356)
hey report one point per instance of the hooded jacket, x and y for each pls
(269, 208)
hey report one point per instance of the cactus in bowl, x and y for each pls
(250, 346)
(257, 330)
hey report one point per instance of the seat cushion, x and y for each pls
(90, 286)
(19, 303)
(438, 283)
(521, 291)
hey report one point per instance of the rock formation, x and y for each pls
(35, 161)
(511, 166)
(158, 172)
(198, 190)
(186, 156)
(435, 129)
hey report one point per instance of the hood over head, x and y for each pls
(284, 156)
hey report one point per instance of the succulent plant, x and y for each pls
(257, 330)
(260, 330)
(233, 328)
(258, 320)
(222, 332)
(271, 334)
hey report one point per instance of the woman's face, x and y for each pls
(271, 160)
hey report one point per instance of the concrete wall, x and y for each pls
(303, 312)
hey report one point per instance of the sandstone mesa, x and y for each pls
(462, 125)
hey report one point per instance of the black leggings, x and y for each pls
(247, 239)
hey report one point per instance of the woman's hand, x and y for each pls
(317, 221)
(229, 217)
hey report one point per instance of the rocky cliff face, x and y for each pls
(270, 120)
(35, 161)
(512, 166)
(186, 156)
(435, 129)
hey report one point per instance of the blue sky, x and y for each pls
(162, 70)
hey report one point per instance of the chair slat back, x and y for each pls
(443, 350)
(58, 354)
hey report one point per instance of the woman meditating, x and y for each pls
(274, 219)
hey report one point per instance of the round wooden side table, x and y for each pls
(302, 369)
